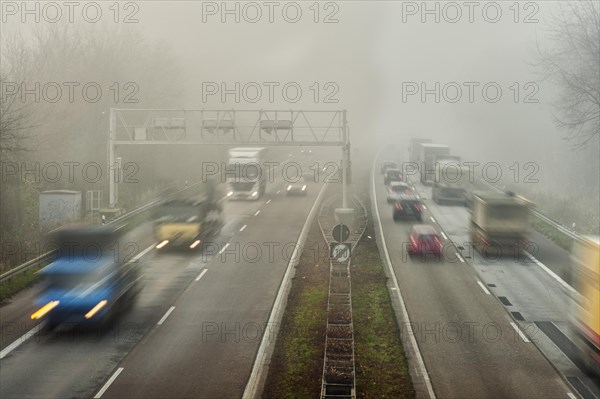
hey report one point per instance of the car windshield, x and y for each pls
(398, 188)
(427, 237)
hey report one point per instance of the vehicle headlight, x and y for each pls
(289, 187)
(254, 194)
(304, 187)
(229, 194)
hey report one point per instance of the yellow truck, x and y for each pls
(585, 318)
(189, 222)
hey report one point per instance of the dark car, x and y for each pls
(391, 175)
(424, 239)
(408, 206)
(385, 165)
(395, 190)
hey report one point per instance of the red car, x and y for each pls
(424, 239)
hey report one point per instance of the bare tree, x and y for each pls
(572, 62)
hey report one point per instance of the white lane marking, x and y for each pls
(413, 342)
(243, 227)
(223, 249)
(162, 320)
(110, 381)
(201, 274)
(444, 235)
(460, 258)
(268, 201)
(483, 287)
(551, 273)
(571, 396)
(256, 213)
(144, 252)
(278, 191)
(432, 219)
(521, 334)
(424, 207)
(14, 345)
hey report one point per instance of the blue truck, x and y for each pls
(91, 279)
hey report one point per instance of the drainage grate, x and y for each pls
(504, 301)
(518, 316)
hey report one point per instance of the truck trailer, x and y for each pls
(585, 314)
(427, 156)
(246, 177)
(499, 222)
(414, 148)
(451, 182)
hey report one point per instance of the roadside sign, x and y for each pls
(340, 252)
(340, 232)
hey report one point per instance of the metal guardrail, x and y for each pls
(543, 217)
(40, 259)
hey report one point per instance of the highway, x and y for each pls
(470, 345)
(193, 331)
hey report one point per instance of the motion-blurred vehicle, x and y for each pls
(450, 184)
(188, 222)
(297, 188)
(91, 279)
(246, 177)
(408, 205)
(499, 222)
(395, 189)
(424, 239)
(391, 175)
(585, 315)
(385, 165)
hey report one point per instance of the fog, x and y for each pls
(373, 59)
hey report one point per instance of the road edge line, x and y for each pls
(255, 383)
(395, 291)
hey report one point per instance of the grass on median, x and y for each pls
(381, 367)
(297, 364)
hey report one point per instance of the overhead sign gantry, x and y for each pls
(226, 127)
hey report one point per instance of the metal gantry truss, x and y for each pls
(225, 127)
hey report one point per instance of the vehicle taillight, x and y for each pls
(413, 241)
(398, 206)
(418, 207)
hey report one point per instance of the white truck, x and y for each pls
(246, 173)
(450, 183)
(428, 155)
(499, 223)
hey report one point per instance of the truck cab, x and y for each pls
(246, 178)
